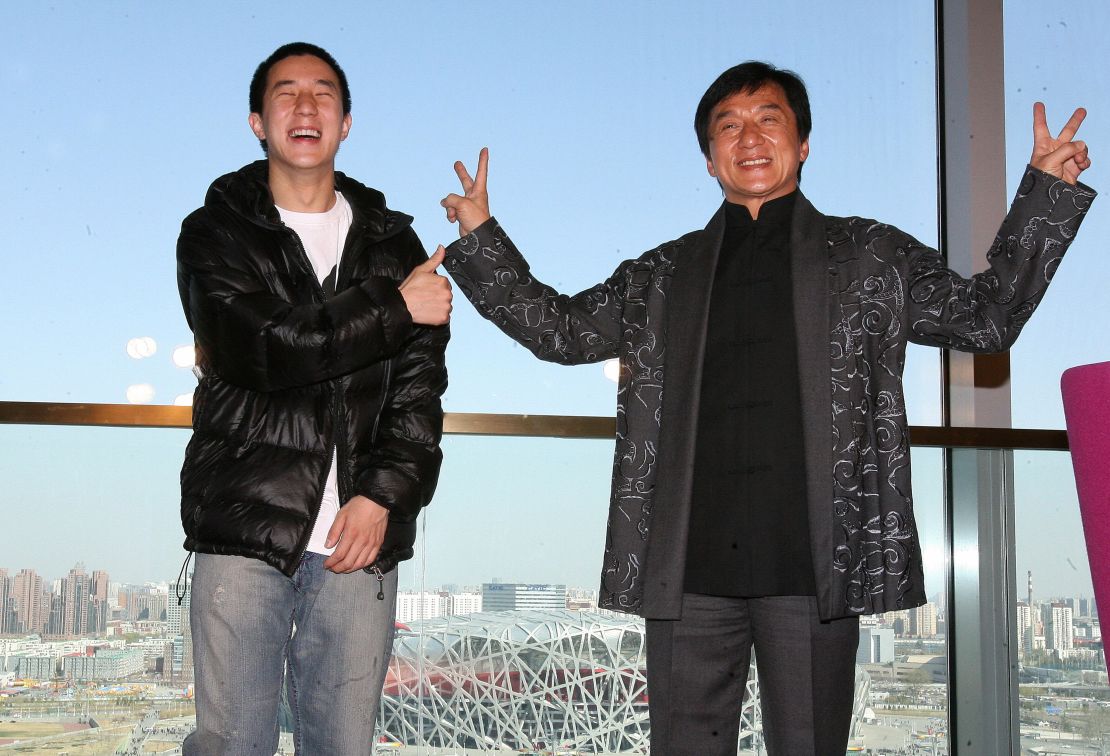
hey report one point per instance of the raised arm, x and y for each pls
(987, 312)
(495, 277)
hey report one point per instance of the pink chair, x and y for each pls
(1086, 391)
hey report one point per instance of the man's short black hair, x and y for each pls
(746, 78)
(262, 73)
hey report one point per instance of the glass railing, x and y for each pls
(499, 642)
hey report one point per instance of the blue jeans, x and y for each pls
(243, 616)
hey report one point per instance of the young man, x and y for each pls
(320, 329)
(762, 498)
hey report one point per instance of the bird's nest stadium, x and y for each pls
(519, 680)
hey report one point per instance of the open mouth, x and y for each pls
(755, 162)
(304, 135)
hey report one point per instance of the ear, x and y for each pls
(255, 122)
(345, 128)
(709, 166)
(803, 151)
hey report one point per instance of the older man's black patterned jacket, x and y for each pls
(862, 289)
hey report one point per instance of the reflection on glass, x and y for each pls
(1062, 681)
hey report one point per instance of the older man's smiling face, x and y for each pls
(302, 117)
(754, 147)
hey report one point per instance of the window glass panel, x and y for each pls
(518, 521)
(1058, 55)
(1062, 670)
(904, 654)
(593, 157)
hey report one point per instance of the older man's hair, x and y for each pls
(747, 78)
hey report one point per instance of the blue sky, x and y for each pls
(125, 112)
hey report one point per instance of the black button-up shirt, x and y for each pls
(749, 529)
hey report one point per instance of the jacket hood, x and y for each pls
(246, 192)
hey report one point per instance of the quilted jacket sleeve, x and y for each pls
(985, 313)
(256, 339)
(495, 277)
(403, 467)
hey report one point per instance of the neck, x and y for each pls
(303, 192)
(754, 204)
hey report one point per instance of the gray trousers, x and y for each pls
(697, 667)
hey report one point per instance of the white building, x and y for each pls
(513, 597)
(105, 664)
(412, 606)
(177, 612)
(1058, 630)
(420, 606)
(923, 621)
(876, 645)
(1024, 628)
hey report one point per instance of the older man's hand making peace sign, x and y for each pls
(471, 209)
(1060, 156)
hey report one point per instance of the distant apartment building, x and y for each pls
(582, 599)
(876, 645)
(466, 603)
(7, 613)
(1059, 632)
(37, 667)
(152, 649)
(923, 621)
(75, 603)
(1025, 630)
(413, 606)
(177, 606)
(1088, 629)
(98, 584)
(501, 597)
(103, 664)
(27, 601)
(140, 602)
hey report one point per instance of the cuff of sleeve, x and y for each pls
(396, 321)
(1035, 176)
(466, 246)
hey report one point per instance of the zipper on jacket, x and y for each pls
(381, 580)
(331, 386)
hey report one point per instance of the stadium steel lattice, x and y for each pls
(537, 679)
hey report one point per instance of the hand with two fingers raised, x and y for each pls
(471, 208)
(1061, 156)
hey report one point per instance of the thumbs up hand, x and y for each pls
(427, 294)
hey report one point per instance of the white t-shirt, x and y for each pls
(323, 235)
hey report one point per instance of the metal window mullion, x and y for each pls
(979, 482)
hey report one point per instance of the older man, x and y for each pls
(761, 484)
